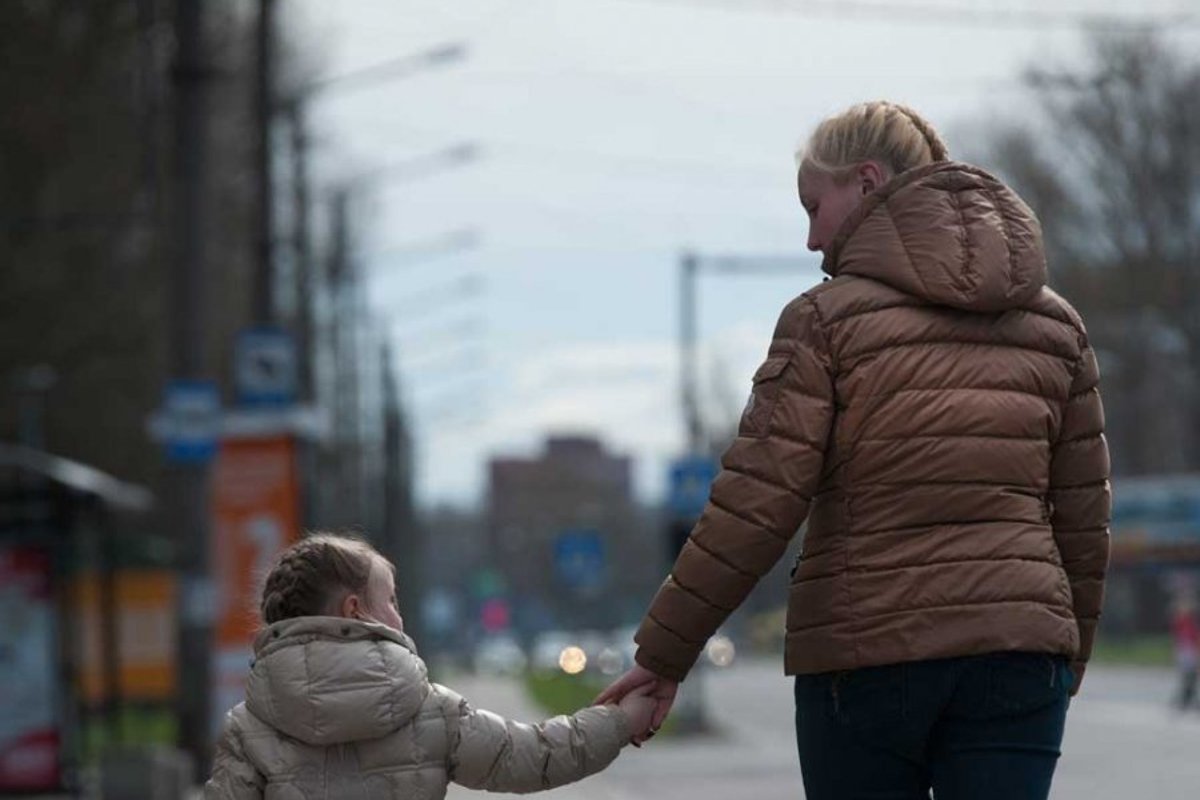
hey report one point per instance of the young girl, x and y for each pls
(338, 703)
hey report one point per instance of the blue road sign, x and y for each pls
(690, 480)
(191, 415)
(265, 368)
(579, 558)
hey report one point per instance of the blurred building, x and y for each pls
(1155, 551)
(568, 538)
(453, 558)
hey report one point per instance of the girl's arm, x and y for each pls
(489, 752)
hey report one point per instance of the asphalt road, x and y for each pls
(1122, 741)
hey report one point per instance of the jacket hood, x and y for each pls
(329, 680)
(949, 233)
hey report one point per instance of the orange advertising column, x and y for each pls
(256, 514)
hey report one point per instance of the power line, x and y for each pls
(580, 155)
(422, 303)
(411, 253)
(417, 167)
(389, 70)
(463, 327)
(924, 13)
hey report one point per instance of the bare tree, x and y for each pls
(1111, 164)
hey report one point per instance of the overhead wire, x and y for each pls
(1108, 20)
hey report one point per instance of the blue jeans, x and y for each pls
(983, 727)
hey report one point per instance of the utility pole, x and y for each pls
(347, 455)
(188, 483)
(264, 273)
(302, 249)
(305, 321)
(334, 471)
(688, 266)
(690, 709)
(402, 540)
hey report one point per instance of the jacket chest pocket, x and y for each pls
(764, 396)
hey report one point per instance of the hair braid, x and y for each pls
(890, 133)
(937, 147)
(308, 576)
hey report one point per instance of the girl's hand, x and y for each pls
(639, 707)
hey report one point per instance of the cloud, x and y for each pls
(624, 393)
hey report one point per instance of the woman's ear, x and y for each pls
(871, 175)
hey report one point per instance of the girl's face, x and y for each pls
(379, 605)
(828, 202)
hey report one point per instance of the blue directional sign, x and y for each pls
(265, 368)
(579, 558)
(691, 478)
(191, 417)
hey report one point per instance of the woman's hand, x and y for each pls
(663, 690)
(635, 677)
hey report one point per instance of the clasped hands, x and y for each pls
(646, 699)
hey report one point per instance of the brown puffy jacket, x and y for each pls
(337, 709)
(933, 411)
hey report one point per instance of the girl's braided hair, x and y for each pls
(310, 577)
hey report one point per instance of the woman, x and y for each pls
(932, 410)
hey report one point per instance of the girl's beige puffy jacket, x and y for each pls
(337, 708)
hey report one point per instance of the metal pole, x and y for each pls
(403, 536)
(187, 485)
(306, 283)
(690, 708)
(688, 266)
(345, 335)
(264, 274)
(110, 653)
(302, 245)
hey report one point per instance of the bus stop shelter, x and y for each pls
(54, 512)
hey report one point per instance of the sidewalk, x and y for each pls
(1122, 741)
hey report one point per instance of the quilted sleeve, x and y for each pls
(758, 500)
(1081, 502)
(490, 752)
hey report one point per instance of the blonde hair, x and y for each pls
(892, 134)
(310, 577)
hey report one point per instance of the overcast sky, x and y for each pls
(612, 135)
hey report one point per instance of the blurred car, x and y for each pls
(499, 654)
(596, 651)
(622, 640)
(548, 647)
(592, 642)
